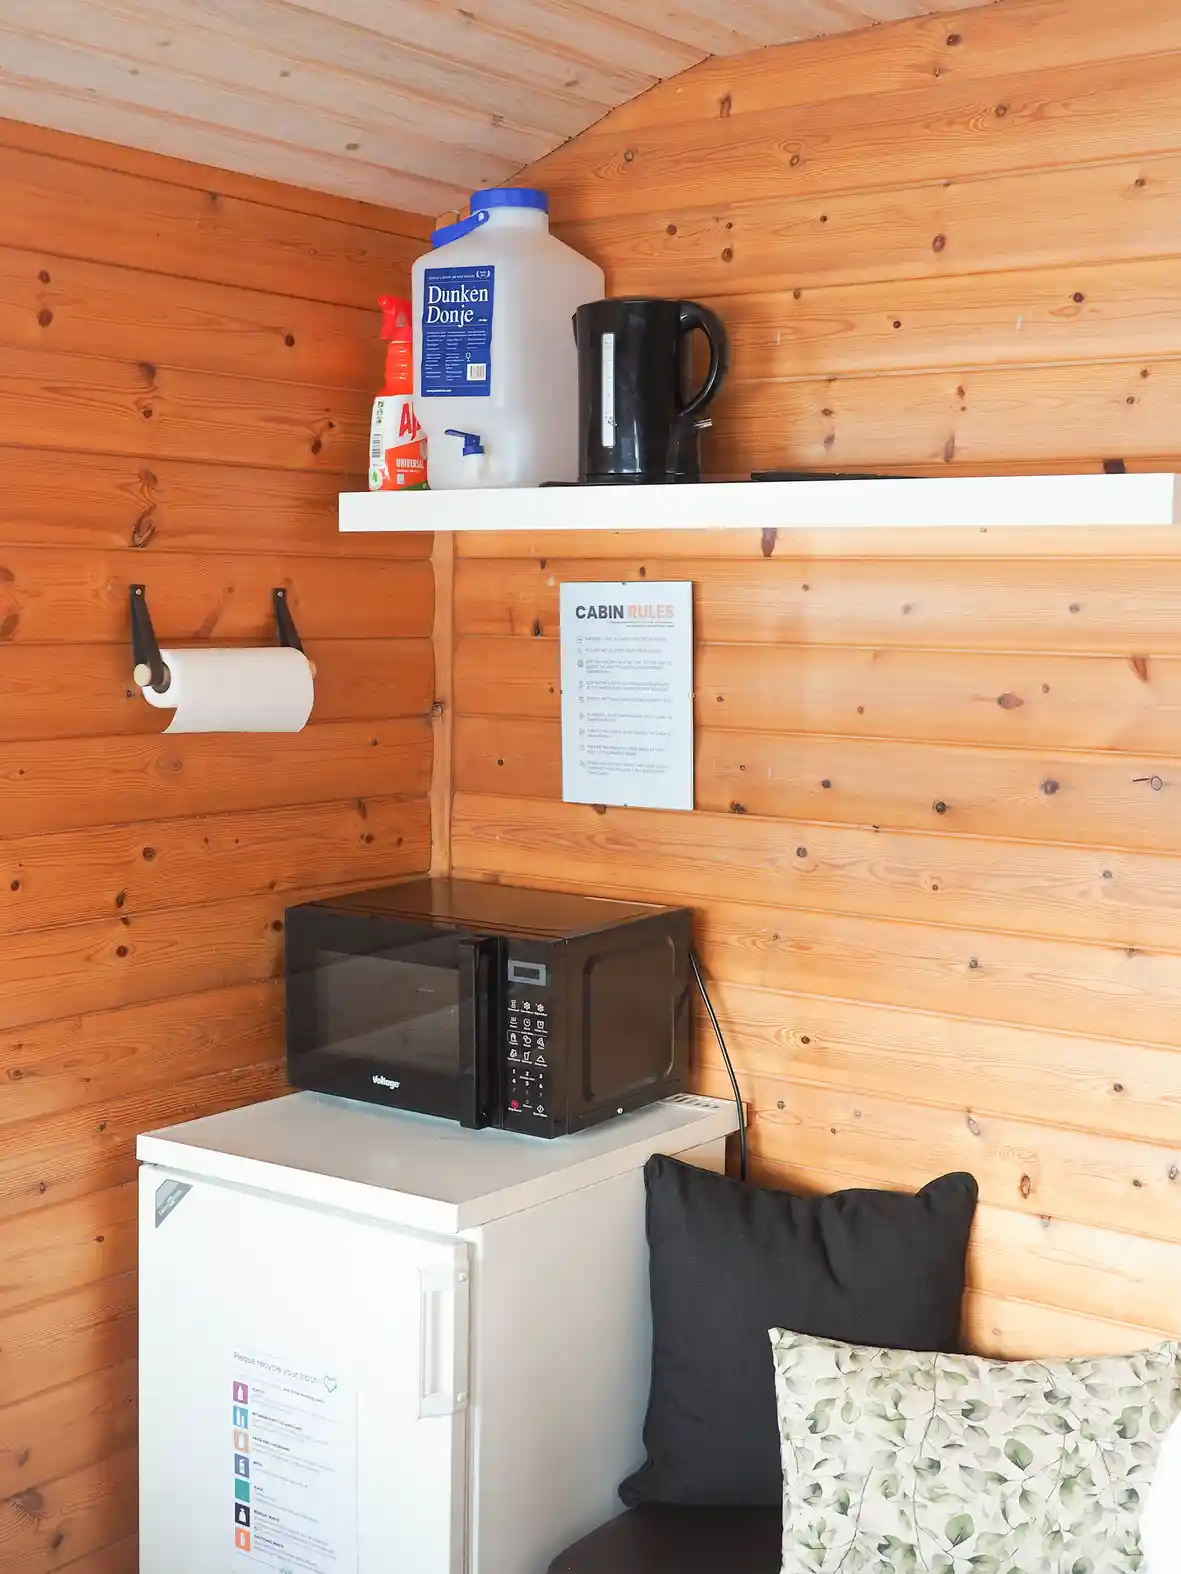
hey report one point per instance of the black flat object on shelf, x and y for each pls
(824, 475)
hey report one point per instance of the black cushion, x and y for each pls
(657, 1540)
(730, 1261)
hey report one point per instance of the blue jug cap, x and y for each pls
(510, 197)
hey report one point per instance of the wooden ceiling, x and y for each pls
(408, 103)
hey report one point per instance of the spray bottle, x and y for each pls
(397, 447)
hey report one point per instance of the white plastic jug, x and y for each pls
(495, 362)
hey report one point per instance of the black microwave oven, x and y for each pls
(534, 1011)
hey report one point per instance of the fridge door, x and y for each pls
(303, 1388)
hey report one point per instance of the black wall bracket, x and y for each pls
(150, 668)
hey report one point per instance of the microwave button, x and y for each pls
(541, 1041)
(526, 1038)
(539, 1059)
(514, 1021)
(527, 1023)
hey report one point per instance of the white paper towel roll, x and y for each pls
(266, 689)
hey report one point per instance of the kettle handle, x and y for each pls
(711, 325)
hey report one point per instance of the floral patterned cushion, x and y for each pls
(896, 1463)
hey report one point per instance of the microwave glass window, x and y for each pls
(397, 1009)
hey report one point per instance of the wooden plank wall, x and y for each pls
(186, 364)
(937, 851)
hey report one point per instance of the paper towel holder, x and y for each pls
(150, 668)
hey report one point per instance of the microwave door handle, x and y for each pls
(477, 1029)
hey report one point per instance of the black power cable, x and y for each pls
(695, 964)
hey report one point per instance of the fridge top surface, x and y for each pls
(416, 1171)
(485, 908)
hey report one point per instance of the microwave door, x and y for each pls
(376, 1010)
(479, 1091)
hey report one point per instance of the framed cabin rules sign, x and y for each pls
(627, 694)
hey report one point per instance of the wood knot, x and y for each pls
(599, 808)
(939, 806)
(1050, 787)
(939, 243)
(725, 105)
(973, 1126)
(736, 807)
(45, 317)
(769, 539)
(801, 852)
(953, 39)
(1026, 1186)
(1010, 701)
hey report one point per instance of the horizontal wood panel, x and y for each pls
(108, 155)
(196, 599)
(1120, 801)
(1041, 34)
(1101, 1273)
(1117, 211)
(57, 1433)
(70, 1063)
(1084, 113)
(1081, 313)
(83, 1330)
(73, 209)
(94, 309)
(158, 412)
(1021, 1330)
(71, 783)
(122, 1557)
(948, 543)
(1065, 606)
(59, 1250)
(1129, 704)
(45, 1526)
(46, 974)
(1102, 1083)
(1125, 408)
(120, 502)
(86, 690)
(1108, 1182)
(1121, 899)
(1124, 995)
(68, 877)
(52, 1160)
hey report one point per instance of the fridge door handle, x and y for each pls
(443, 1341)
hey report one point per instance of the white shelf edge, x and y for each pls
(979, 502)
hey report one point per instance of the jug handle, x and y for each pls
(711, 325)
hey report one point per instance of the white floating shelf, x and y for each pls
(982, 502)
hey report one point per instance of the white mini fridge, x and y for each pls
(377, 1343)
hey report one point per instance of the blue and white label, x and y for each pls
(457, 308)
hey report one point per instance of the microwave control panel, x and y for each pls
(525, 1035)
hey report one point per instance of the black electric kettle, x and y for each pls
(636, 423)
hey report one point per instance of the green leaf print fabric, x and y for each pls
(897, 1463)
